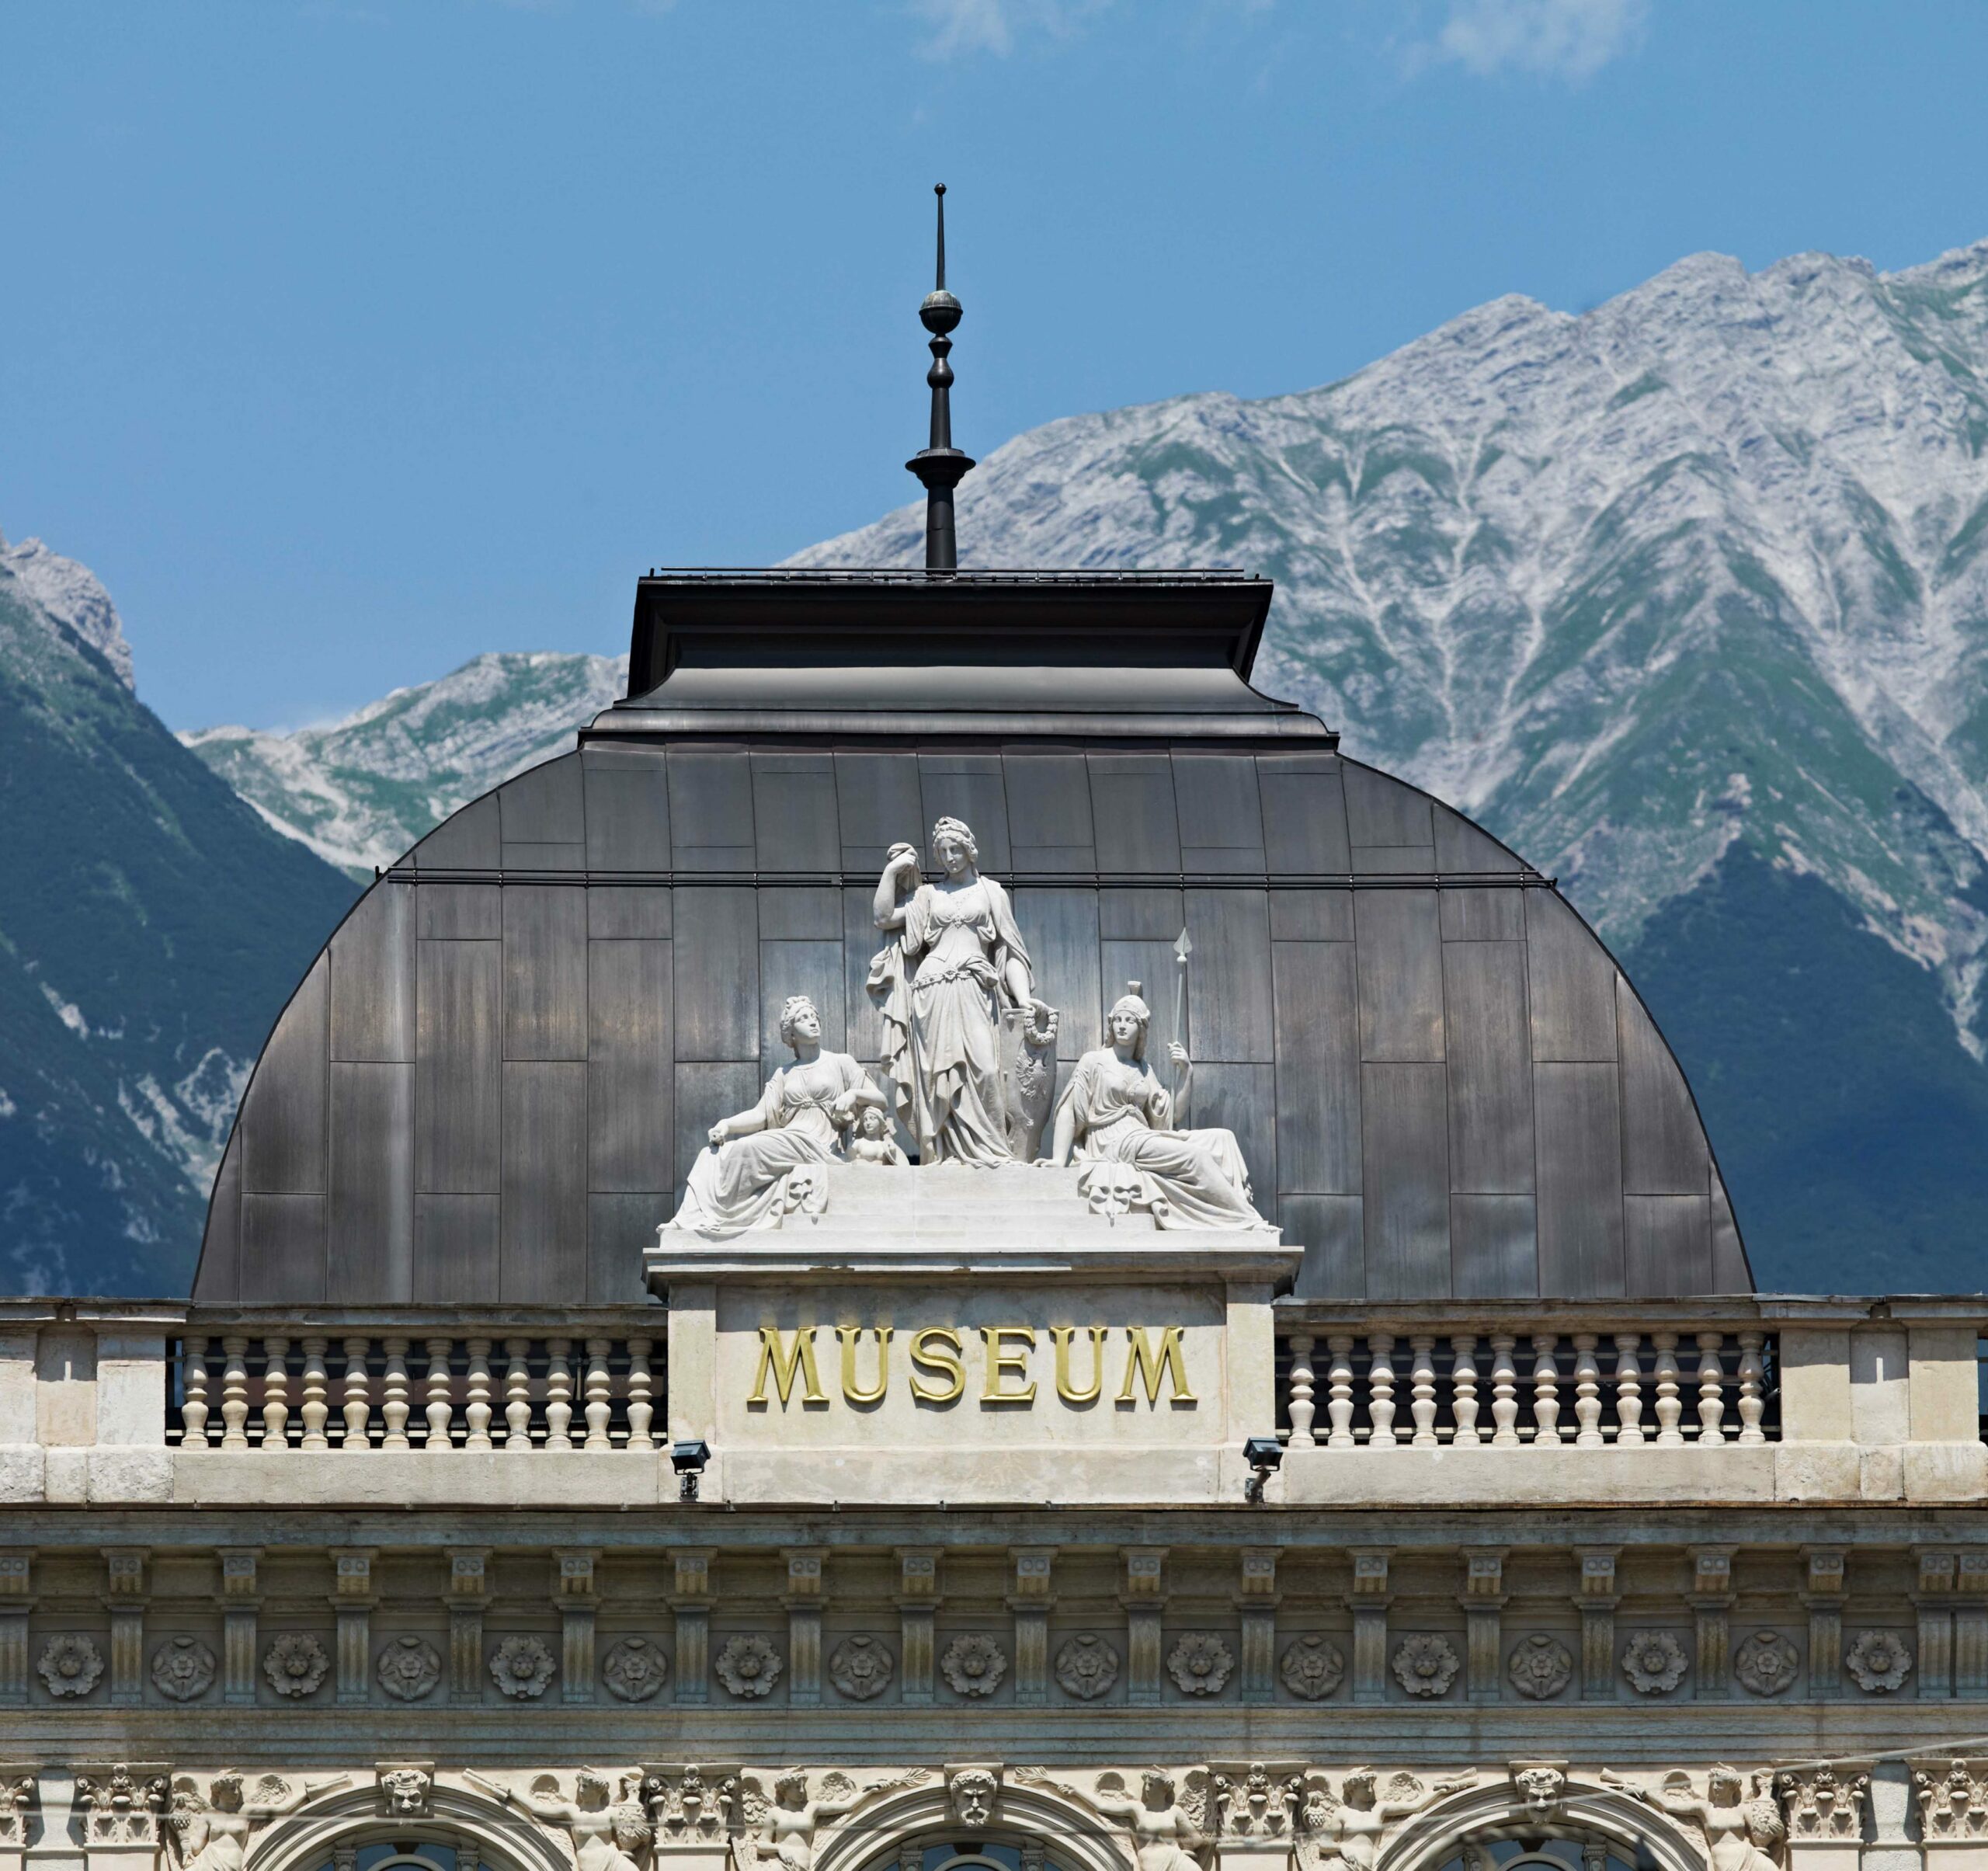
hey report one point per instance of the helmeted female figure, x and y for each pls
(1115, 1109)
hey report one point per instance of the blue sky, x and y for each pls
(345, 339)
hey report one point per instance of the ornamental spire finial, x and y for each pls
(939, 464)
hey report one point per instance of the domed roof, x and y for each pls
(492, 1082)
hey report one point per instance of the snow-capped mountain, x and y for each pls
(71, 595)
(151, 928)
(361, 790)
(1706, 565)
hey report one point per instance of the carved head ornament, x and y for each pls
(794, 1010)
(957, 833)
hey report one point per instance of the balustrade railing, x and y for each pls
(1501, 1385)
(517, 1384)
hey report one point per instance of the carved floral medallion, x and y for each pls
(1426, 1665)
(1766, 1663)
(1200, 1664)
(860, 1668)
(634, 1669)
(70, 1665)
(1879, 1662)
(1654, 1662)
(183, 1667)
(1312, 1668)
(1539, 1666)
(521, 1667)
(748, 1666)
(409, 1667)
(295, 1664)
(1087, 1667)
(974, 1664)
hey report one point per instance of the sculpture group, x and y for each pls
(968, 1073)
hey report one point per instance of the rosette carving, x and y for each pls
(1087, 1667)
(409, 1667)
(295, 1664)
(634, 1669)
(182, 1668)
(1654, 1662)
(1539, 1666)
(521, 1667)
(1199, 1664)
(860, 1668)
(974, 1664)
(748, 1666)
(70, 1665)
(1426, 1665)
(1312, 1668)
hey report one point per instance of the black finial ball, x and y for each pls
(939, 312)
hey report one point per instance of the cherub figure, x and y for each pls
(1344, 1835)
(1167, 1834)
(605, 1833)
(212, 1835)
(793, 1819)
(871, 1141)
(1741, 1833)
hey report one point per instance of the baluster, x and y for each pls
(1545, 1390)
(276, 1392)
(1668, 1407)
(235, 1393)
(1628, 1389)
(1504, 1392)
(1380, 1390)
(358, 1407)
(478, 1413)
(1712, 1390)
(1587, 1392)
(641, 1396)
(1752, 1387)
(394, 1407)
(1303, 1405)
(517, 1396)
(1422, 1394)
(1463, 1389)
(193, 1385)
(441, 1397)
(600, 1405)
(558, 1393)
(317, 1408)
(1339, 1396)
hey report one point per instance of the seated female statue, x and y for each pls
(740, 1183)
(1115, 1109)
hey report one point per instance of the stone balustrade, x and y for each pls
(1741, 1398)
(522, 1387)
(1600, 1402)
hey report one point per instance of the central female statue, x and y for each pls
(941, 1046)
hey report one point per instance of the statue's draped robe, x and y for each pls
(743, 1183)
(1123, 1114)
(940, 988)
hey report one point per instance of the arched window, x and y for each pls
(430, 1848)
(964, 1852)
(1535, 1853)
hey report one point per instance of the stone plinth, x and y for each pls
(970, 1335)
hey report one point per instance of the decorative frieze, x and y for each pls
(468, 1594)
(240, 1604)
(1031, 1600)
(918, 1603)
(573, 1597)
(1368, 1601)
(125, 1600)
(1144, 1597)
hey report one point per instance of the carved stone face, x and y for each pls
(804, 1023)
(1159, 1791)
(873, 1124)
(953, 856)
(973, 1797)
(1124, 1026)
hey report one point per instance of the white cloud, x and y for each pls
(1565, 38)
(960, 27)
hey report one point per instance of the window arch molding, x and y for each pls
(1581, 1812)
(305, 1840)
(1074, 1836)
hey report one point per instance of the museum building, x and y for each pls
(956, 1246)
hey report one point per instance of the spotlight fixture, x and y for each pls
(1265, 1455)
(688, 1458)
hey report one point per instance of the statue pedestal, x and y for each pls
(960, 1334)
